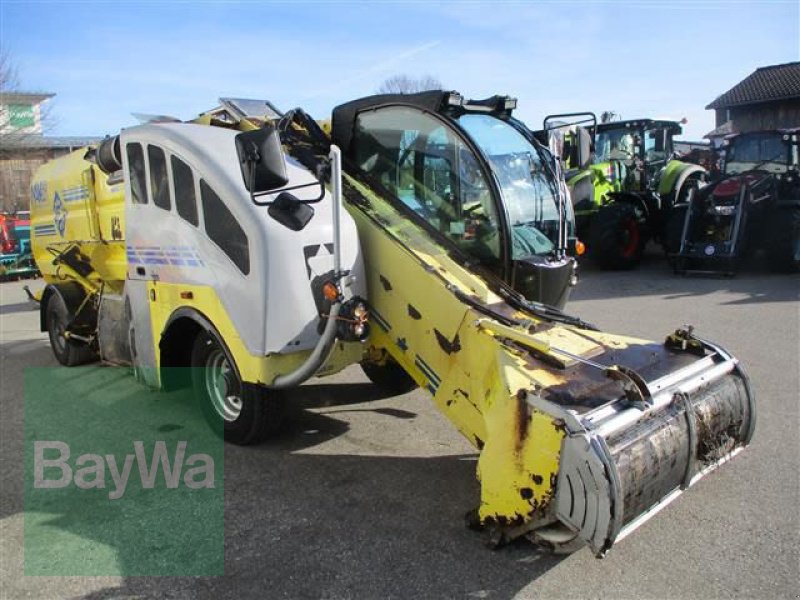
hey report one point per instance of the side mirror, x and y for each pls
(290, 212)
(261, 159)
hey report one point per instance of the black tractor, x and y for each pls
(754, 206)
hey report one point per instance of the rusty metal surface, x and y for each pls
(586, 388)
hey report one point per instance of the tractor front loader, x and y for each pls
(753, 206)
(582, 435)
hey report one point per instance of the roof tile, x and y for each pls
(776, 82)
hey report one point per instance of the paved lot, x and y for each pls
(365, 499)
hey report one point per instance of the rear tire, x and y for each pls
(57, 318)
(389, 376)
(783, 240)
(616, 240)
(244, 414)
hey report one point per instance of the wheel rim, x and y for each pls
(222, 386)
(630, 238)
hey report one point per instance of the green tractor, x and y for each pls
(623, 182)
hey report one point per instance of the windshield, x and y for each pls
(615, 144)
(766, 151)
(527, 187)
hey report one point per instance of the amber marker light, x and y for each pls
(330, 291)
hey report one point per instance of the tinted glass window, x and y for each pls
(159, 184)
(430, 170)
(137, 176)
(223, 229)
(185, 199)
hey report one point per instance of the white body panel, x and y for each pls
(272, 307)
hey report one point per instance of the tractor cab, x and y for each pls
(768, 151)
(471, 175)
(640, 150)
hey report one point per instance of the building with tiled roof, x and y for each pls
(768, 98)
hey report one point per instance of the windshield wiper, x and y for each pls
(544, 311)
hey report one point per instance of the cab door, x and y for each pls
(434, 176)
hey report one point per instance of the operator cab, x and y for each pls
(770, 151)
(473, 177)
(640, 145)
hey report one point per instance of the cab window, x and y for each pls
(185, 199)
(135, 156)
(223, 229)
(433, 172)
(159, 182)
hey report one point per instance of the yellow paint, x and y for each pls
(252, 368)
(91, 211)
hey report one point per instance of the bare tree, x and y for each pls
(8, 72)
(608, 115)
(403, 84)
(11, 135)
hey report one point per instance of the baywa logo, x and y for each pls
(59, 214)
(88, 471)
(39, 191)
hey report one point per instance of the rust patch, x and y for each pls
(521, 420)
(450, 402)
(462, 392)
(537, 479)
(526, 493)
(387, 285)
(446, 345)
(414, 313)
(478, 443)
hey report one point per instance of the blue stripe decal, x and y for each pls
(170, 255)
(428, 372)
(376, 316)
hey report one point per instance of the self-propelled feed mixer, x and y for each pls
(219, 244)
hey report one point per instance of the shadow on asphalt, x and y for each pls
(298, 524)
(754, 282)
(7, 309)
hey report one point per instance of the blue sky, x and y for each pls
(105, 60)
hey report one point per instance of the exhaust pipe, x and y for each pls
(108, 155)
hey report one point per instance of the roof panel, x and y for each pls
(776, 82)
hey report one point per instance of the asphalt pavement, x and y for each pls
(363, 496)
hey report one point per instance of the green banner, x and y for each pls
(21, 116)
(119, 480)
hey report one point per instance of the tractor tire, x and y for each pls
(616, 240)
(673, 233)
(57, 318)
(783, 242)
(242, 414)
(389, 376)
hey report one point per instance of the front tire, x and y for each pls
(57, 318)
(389, 376)
(616, 240)
(243, 413)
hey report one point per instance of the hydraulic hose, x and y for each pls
(322, 350)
